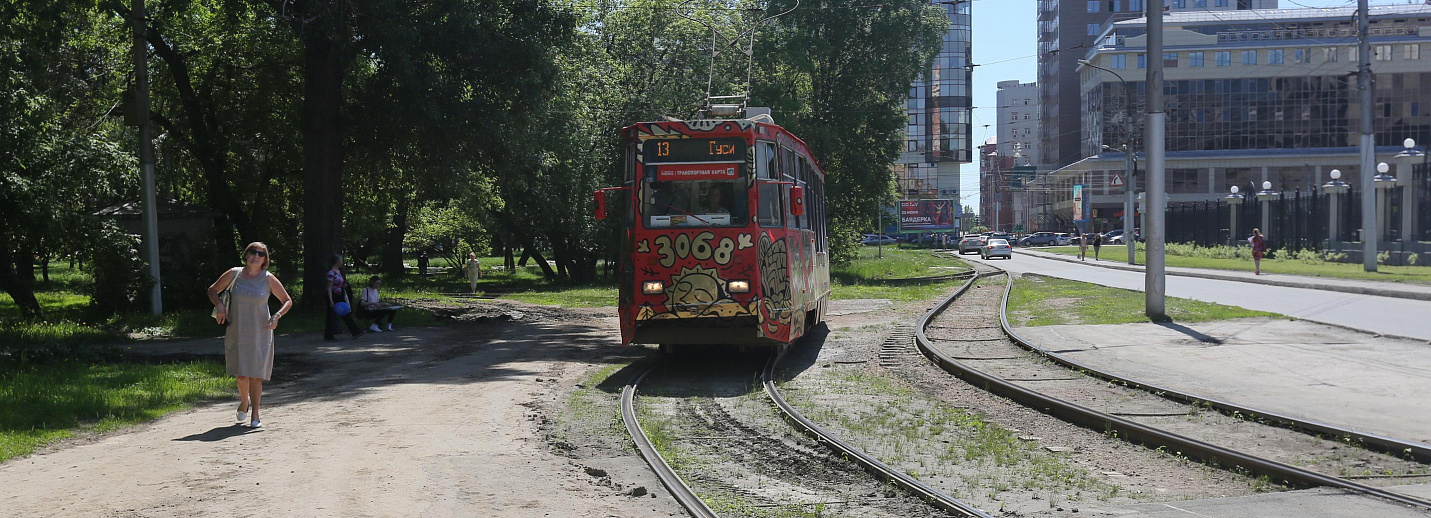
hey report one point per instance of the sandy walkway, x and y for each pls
(426, 422)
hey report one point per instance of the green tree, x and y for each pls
(59, 160)
(837, 75)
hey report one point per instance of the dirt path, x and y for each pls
(422, 422)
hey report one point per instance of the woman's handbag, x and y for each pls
(224, 297)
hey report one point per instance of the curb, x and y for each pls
(1356, 290)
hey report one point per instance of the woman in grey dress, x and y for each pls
(248, 342)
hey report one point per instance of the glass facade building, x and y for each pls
(939, 128)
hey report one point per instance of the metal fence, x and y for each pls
(1294, 221)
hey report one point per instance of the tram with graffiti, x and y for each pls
(724, 237)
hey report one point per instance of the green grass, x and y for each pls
(1304, 265)
(40, 404)
(1047, 301)
(872, 277)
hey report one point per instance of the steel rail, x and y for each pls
(871, 464)
(1134, 432)
(678, 488)
(1421, 452)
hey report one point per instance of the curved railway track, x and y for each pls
(1130, 430)
(698, 508)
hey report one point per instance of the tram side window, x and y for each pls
(805, 175)
(771, 207)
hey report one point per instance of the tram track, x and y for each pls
(697, 507)
(1040, 372)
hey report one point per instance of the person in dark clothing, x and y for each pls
(1097, 244)
(339, 291)
(422, 264)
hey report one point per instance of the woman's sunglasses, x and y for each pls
(259, 253)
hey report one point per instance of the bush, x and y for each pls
(121, 279)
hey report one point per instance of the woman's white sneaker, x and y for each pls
(374, 328)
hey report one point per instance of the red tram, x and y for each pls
(725, 238)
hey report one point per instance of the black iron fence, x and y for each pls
(1293, 221)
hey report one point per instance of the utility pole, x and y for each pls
(1154, 282)
(1368, 149)
(146, 156)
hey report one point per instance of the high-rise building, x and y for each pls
(939, 105)
(1251, 97)
(1007, 162)
(1066, 30)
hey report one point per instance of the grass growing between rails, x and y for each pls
(872, 277)
(40, 404)
(1239, 259)
(1047, 301)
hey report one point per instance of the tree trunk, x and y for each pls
(25, 263)
(45, 268)
(508, 261)
(22, 292)
(322, 157)
(392, 250)
(526, 254)
(531, 251)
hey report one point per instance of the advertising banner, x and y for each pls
(927, 216)
(1078, 213)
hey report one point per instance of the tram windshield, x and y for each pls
(685, 204)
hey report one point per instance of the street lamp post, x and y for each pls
(1265, 196)
(1129, 164)
(1334, 190)
(1234, 200)
(1405, 161)
(1384, 183)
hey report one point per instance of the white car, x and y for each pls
(1062, 239)
(971, 244)
(996, 248)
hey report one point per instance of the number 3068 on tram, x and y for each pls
(724, 238)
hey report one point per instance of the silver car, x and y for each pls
(997, 248)
(971, 244)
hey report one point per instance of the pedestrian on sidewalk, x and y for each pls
(248, 341)
(1259, 247)
(339, 292)
(1097, 244)
(474, 270)
(1082, 246)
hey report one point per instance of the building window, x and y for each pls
(1194, 59)
(1116, 6)
(1413, 51)
(1223, 58)
(1382, 52)
(1180, 4)
(1200, 4)
(1170, 59)
(1094, 5)
(1330, 54)
(1118, 61)
(1274, 57)
(1416, 108)
(1249, 57)
(1352, 54)
(1302, 55)
(1092, 29)
(1135, 5)
(1142, 61)
(1220, 3)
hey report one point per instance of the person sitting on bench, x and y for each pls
(371, 309)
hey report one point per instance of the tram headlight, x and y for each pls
(738, 286)
(653, 287)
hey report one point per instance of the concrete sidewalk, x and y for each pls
(1297, 368)
(1119, 256)
(1310, 503)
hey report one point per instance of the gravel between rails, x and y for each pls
(715, 427)
(867, 384)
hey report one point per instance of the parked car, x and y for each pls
(971, 244)
(1115, 237)
(1062, 239)
(1039, 239)
(876, 239)
(997, 248)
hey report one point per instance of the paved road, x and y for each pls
(1375, 314)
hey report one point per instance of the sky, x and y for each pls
(1004, 48)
